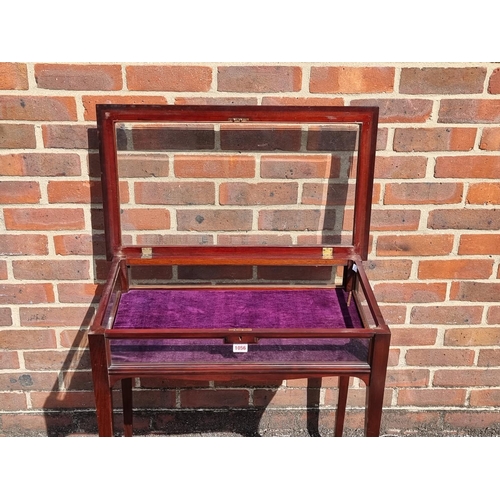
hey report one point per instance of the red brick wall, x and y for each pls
(434, 260)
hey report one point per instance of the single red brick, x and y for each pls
(13, 76)
(152, 273)
(139, 165)
(440, 357)
(487, 167)
(55, 316)
(254, 239)
(490, 139)
(217, 101)
(19, 192)
(399, 110)
(421, 245)
(431, 397)
(494, 83)
(153, 399)
(351, 80)
(395, 220)
(410, 292)
(62, 399)
(181, 137)
(15, 136)
(292, 273)
(51, 269)
(283, 397)
(28, 339)
(383, 270)
(23, 244)
(446, 315)
(161, 383)
(70, 136)
(141, 219)
(479, 244)
(407, 377)
(484, 193)
(34, 381)
(78, 76)
(37, 108)
(316, 193)
(255, 137)
(290, 220)
(169, 78)
(400, 167)
(434, 139)
(300, 167)
(394, 315)
(79, 244)
(485, 397)
(40, 165)
(442, 80)
(472, 336)
(3, 270)
(409, 421)
(475, 291)
(487, 219)
(266, 193)
(72, 191)
(214, 220)
(175, 193)
(302, 101)
(455, 269)
(12, 401)
(494, 315)
(89, 102)
(77, 381)
(202, 398)
(259, 78)
(26, 293)
(74, 339)
(466, 377)
(214, 272)
(82, 293)
(489, 357)
(423, 193)
(9, 360)
(413, 336)
(174, 239)
(44, 219)
(472, 419)
(469, 111)
(55, 360)
(214, 166)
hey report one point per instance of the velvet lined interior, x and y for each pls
(245, 308)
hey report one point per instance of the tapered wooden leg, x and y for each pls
(127, 406)
(375, 389)
(341, 406)
(102, 389)
(313, 389)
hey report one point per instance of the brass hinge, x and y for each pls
(146, 253)
(327, 253)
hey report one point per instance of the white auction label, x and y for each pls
(240, 347)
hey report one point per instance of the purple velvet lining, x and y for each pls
(217, 352)
(211, 308)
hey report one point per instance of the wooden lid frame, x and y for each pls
(109, 114)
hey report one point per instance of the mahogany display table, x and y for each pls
(253, 331)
